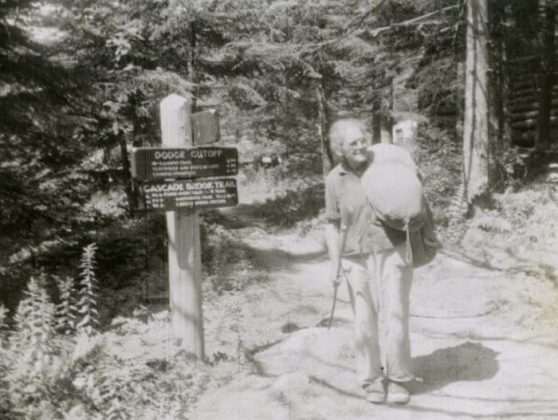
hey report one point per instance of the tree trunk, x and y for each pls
(497, 83)
(193, 65)
(548, 16)
(130, 190)
(376, 121)
(323, 128)
(476, 151)
(498, 90)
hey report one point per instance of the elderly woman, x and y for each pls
(373, 259)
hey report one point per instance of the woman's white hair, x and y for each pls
(338, 129)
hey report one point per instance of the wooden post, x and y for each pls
(185, 297)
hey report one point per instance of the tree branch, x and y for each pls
(414, 21)
(375, 32)
(357, 25)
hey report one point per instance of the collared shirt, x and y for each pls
(366, 234)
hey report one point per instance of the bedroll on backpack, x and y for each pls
(395, 192)
(393, 188)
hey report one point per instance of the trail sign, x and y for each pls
(199, 194)
(159, 163)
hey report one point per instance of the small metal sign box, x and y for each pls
(199, 194)
(205, 127)
(201, 162)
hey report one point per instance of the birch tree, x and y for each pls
(476, 152)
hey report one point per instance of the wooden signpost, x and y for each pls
(179, 179)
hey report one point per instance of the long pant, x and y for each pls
(381, 285)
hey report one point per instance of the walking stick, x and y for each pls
(343, 228)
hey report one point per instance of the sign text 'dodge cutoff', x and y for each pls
(167, 163)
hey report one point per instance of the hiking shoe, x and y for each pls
(397, 393)
(375, 392)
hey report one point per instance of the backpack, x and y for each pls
(395, 192)
(423, 242)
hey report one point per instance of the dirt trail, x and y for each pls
(484, 343)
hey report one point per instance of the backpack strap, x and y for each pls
(408, 248)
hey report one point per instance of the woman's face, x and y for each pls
(354, 146)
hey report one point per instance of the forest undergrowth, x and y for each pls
(73, 351)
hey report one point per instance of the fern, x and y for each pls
(66, 310)
(22, 322)
(103, 391)
(3, 323)
(31, 350)
(34, 324)
(45, 320)
(3, 342)
(457, 211)
(87, 305)
(43, 375)
(4, 394)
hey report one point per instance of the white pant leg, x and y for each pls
(366, 323)
(393, 286)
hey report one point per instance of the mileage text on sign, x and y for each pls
(200, 194)
(202, 162)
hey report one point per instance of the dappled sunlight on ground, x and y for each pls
(483, 338)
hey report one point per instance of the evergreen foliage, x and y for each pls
(74, 108)
(73, 104)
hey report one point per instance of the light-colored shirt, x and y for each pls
(366, 233)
